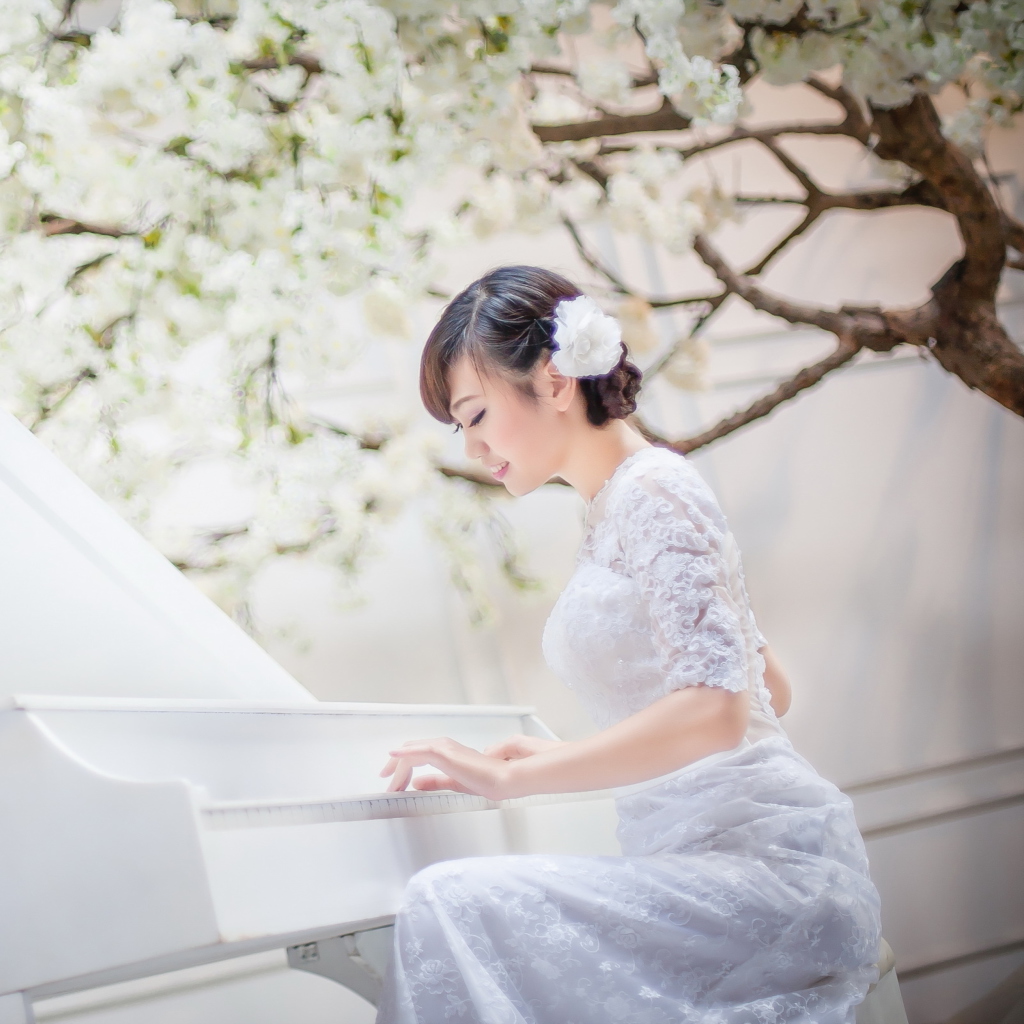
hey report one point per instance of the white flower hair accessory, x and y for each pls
(586, 340)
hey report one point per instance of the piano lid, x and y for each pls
(89, 607)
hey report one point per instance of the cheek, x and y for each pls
(514, 432)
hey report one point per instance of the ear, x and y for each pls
(553, 387)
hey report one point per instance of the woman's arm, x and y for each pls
(777, 682)
(672, 547)
(676, 730)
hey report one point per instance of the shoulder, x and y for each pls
(660, 505)
(661, 483)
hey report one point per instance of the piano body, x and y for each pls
(199, 804)
(151, 835)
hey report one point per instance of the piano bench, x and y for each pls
(883, 1004)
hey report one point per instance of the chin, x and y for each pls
(517, 488)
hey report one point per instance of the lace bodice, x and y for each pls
(657, 600)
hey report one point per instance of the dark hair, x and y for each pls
(504, 322)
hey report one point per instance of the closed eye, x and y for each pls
(473, 422)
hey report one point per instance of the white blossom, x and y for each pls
(386, 309)
(605, 79)
(202, 223)
(638, 328)
(687, 367)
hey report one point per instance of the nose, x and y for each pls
(475, 448)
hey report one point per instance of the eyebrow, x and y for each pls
(465, 398)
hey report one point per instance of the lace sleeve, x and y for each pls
(677, 547)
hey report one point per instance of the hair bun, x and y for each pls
(612, 396)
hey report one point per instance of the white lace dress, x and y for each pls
(742, 894)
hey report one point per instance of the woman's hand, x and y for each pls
(678, 729)
(517, 747)
(465, 770)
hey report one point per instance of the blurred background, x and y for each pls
(880, 516)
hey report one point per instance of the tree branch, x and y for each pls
(792, 166)
(617, 283)
(76, 37)
(809, 218)
(592, 261)
(855, 122)
(921, 193)
(55, 225)
(859, 326)
(54, 396)
(550, 69)
(1014, 231)
(819, 202)
(736, 135)
(794, 312)
(913, 135)
(374, 442)
(310, 64)
(84, 268)
(965, 337)
(687, 300)
(594, 171)
(638, 82)
(468, 474)
(804, 379)
(664, 119)
(768, 201)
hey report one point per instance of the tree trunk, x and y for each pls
(969, 340)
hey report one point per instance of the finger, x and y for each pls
(401, 776)
(418, 760)
(400, 752)
(431, 783)
(423, 741)
(403, 773)
(412, 750)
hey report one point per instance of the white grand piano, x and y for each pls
(144, 835)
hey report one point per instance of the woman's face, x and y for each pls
(520, 441)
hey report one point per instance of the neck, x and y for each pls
(596, 454)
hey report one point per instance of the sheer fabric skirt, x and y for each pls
(742, 897)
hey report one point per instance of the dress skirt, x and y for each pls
(742, 897)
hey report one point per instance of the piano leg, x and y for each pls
(358, 961)
(16, 1008)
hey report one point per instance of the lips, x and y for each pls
(499, 470)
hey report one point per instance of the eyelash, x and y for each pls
(473, 422)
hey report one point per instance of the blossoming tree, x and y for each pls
(206, 210)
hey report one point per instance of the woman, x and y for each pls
(743, 893)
